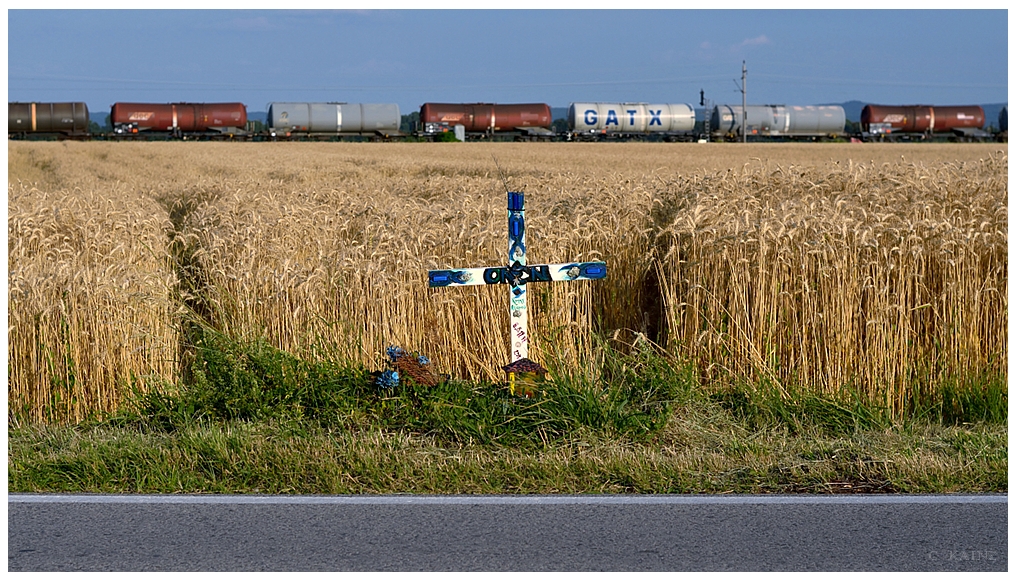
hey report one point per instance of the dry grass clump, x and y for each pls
(89, 300)
(881, 277)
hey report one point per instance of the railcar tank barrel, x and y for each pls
(334, 118)
(922, 118)
(631, 117)
(186, 117)
(486, 117)
(779, 120)
(47, 117)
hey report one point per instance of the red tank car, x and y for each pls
(881, 119)
(483, 117)
(178, 117)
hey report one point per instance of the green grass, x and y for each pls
(233, 382)
(253, 419)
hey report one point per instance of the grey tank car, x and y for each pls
(286, 119)
(778, 121)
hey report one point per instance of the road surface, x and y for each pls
(506, 533)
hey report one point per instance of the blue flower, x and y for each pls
(388, 379)
(394, 352)
(423, 360)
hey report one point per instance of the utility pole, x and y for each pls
(745, 113)
(706, 114)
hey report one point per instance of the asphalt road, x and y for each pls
(507, 533)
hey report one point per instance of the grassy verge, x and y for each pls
(255, 420)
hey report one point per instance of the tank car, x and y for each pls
(179, 119)
(64, 119)
(779, 120)
(885, 120)
(487, 118)
(332, 119)
(630, 119)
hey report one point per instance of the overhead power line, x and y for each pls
(880, 82)
(261, 87)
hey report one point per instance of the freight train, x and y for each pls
(212, 121)
(476, 121)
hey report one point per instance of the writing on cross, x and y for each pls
(517, 274)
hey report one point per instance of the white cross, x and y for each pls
(517, 274)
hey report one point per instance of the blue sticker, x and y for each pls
(515, 201)
(594, 270)
(516, 226)
(439, 278)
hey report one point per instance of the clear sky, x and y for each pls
(409, 57)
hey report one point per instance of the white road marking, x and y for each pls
(509, 499)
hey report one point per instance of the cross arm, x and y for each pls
(517, 274)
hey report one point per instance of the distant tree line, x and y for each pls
(408, 123)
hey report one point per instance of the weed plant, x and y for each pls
(249, 382)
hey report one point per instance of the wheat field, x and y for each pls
(872, 267)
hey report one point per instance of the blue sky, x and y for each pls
(794, 57)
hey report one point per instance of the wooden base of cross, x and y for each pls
(517, 274)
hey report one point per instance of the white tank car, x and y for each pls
(631, 118)
(333, 117)
(779, 120)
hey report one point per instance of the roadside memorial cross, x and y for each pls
(517, 274)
